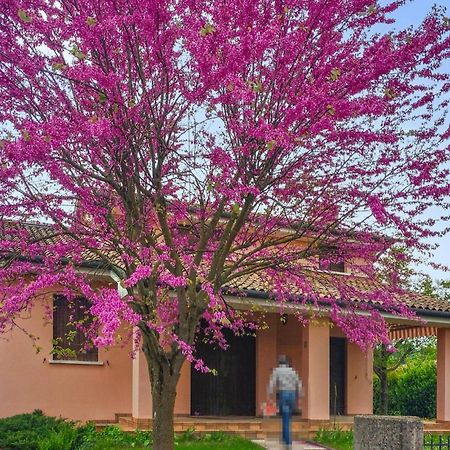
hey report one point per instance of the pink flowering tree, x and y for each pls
(186, 145)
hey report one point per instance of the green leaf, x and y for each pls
(77, 53)
(91, 21)
(26, 136)
(207, 29)
(58, 66)
(236, 208)
(371, 9)
(256, 86)
(335, 74)
(368, 11)
(271, 144)
(24, 17)
(102, 98)
(131, 103)
(331, 111)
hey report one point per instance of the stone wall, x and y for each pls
(387, 433)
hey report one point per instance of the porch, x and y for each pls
(336, 375)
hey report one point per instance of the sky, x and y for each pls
(412, 13)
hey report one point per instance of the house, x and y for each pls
(95, 385)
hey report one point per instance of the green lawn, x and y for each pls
(197, 442)
(335, 438)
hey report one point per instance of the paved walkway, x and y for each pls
(296, 445)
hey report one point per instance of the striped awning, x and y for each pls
(405, 332)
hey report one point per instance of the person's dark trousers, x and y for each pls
(286, 403)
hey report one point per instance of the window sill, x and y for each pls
(333, 272)
(74, 362)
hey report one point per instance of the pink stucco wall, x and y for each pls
(443, 379)
(29, 381)
(359, 388)
(121, 385)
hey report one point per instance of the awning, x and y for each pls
(405, 332)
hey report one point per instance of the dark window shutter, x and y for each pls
(334, 259)
(66, 335)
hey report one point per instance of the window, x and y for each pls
(68, 340)
(330, 258)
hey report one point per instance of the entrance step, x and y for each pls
(248, 427)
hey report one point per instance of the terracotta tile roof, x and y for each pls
(326, 285)
(46, 235)
(323, 283)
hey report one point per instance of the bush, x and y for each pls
(112, 437)
(64, 438)
(412, 390)
(38, 432)
(27, 431)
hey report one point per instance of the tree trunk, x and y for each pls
(163, 396)
(164, 376)
(384, 392)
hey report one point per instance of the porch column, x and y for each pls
(183, 399)
(141, 399)
(266, 358)
(315, 372)
(443, 375)
(359, 389)
(141, 393)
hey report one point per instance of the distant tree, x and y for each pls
(389, 358)
(434, 288)
(386, 359)
(412, 385)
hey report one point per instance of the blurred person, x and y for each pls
(288, 388)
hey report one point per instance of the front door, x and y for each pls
(337, 376)
(232, 392)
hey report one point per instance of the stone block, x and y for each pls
(387, 433)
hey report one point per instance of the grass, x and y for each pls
(38, 432)
(335, 438)
(435, 438)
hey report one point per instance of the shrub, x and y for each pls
(64, 438)
(112, 437)
(26, 431)
(413, 390)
